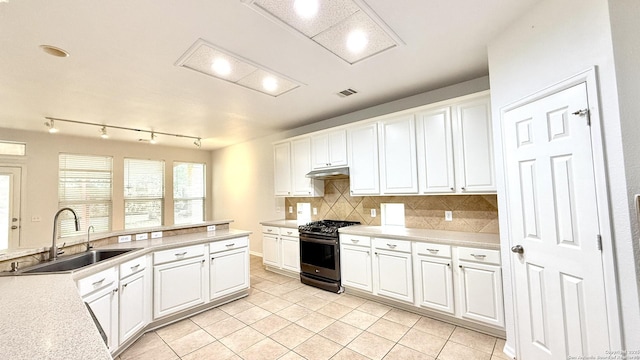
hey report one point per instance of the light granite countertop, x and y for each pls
(456, 238)
(291, 224)
(44, 317)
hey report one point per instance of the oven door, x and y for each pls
(320, 257)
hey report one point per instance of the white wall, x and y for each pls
(243, 173)
(41, 175)
(553, 41)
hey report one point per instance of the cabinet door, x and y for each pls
(133, 305)
(475, 172)
(363, 160)
(481, 293)
(282, 169)
(435, 151)
(320, 151)
(270, 250)
(290, 251)
(398, 165)
(228, 272)
(355, 267)
(104, 304)
(178, 285)
(301, 165)
(329, 149)
(434, 283)
(392, 275)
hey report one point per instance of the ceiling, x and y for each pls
(121, 69)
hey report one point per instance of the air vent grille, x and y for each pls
(347, 92)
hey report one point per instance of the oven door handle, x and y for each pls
(318, 241)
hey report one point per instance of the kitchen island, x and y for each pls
(44, 316)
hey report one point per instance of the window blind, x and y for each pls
(188, 192)
(143, 193)
(85, 185)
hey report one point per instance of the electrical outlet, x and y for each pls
(124, 238)
(448, 216)
(36, 218)
(290, 209)
(156, 234)
(315, 211)
(143, 236)
(211, 228)
(373, 212)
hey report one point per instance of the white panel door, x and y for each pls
(355, 267)
(398, 164)
(338, 148)
(392, 275)
(434, 283)
(270, 250)
(363, 160)
(558, 279)
(435, 151)
(282, 169)
(178, 285)
(133, 300)
(228, 272)
(300, 166)
(290, 251)
(481, 293)
(474, 157)
(104, 305)
(10, 181)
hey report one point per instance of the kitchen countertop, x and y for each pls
(292, 224)
(61, 327)
(455, 238)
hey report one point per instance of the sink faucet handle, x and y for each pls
(60, 251)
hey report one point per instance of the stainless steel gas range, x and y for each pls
(320, 254)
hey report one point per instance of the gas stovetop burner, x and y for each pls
(325, 227)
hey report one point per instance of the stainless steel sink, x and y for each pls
(74, 262)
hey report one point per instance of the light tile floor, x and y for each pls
(284, 319)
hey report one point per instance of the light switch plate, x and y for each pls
(448, 216)
(143, 236)
(211, 228)
(156, 234)
(124, 238)
(290, 209)
(373, 212)
(315, 211)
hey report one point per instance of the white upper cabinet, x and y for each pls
(473, 139)
(300, 166)
(329, 149)
(282, 169)
(398, 166)
(435, 151)
(363, 159)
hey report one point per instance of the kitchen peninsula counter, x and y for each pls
(44, 316)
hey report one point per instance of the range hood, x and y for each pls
(335, 173)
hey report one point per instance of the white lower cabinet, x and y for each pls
(270, 252)
(100, 291)
(134, 298)
(281, 248)
(290, 253)
(228, 270)
(433, 277)
(178, 285)
(480, 286)
(392, 270)
(355, 263)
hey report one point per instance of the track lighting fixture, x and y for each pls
(103, 133)
(153, 139)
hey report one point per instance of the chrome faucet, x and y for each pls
(89, 229)
(53, 252)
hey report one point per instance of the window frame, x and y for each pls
(203, 198)
(128, 199)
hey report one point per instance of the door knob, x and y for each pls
(518, 249)
(13, 227)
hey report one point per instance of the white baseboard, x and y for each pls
(509, 351)
(255, 253)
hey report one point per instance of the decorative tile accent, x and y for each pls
(471, 213)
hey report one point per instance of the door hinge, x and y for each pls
(599, 242)
(583, 112)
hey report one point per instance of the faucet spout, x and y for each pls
(89, 229)
(53, 252)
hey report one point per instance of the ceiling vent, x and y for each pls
(347, 92)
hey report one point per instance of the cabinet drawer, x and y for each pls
(289, 232)
(479, 255)
(357, 240)
(271, 230)
(391, 244)
(133, 266)
(97, 281)
(228, 244)
(428, 249)
(180, 253)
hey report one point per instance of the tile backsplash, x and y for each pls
(471, 213)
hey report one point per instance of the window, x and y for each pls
(188, 192)
(84, 184)
(13, 148)
(143, 193)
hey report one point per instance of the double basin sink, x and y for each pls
(74, 262)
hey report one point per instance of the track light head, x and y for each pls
(52, 127)
(198, 143)
(153, 138)
(103, 133)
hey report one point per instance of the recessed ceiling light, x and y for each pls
(270, 83)
(306, 9)
(55, 51)
(357, 41)
(221, 67)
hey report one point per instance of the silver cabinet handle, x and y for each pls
(463, 188)
(355, 240)
(393, 246)
(181, 254)
(115, 290)
(289, 232)
(269, 230)
(478, 256)
(99, 282)
(433, 250)
(452, 189)
(124, 286)
(135, 267)
(230, 245)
